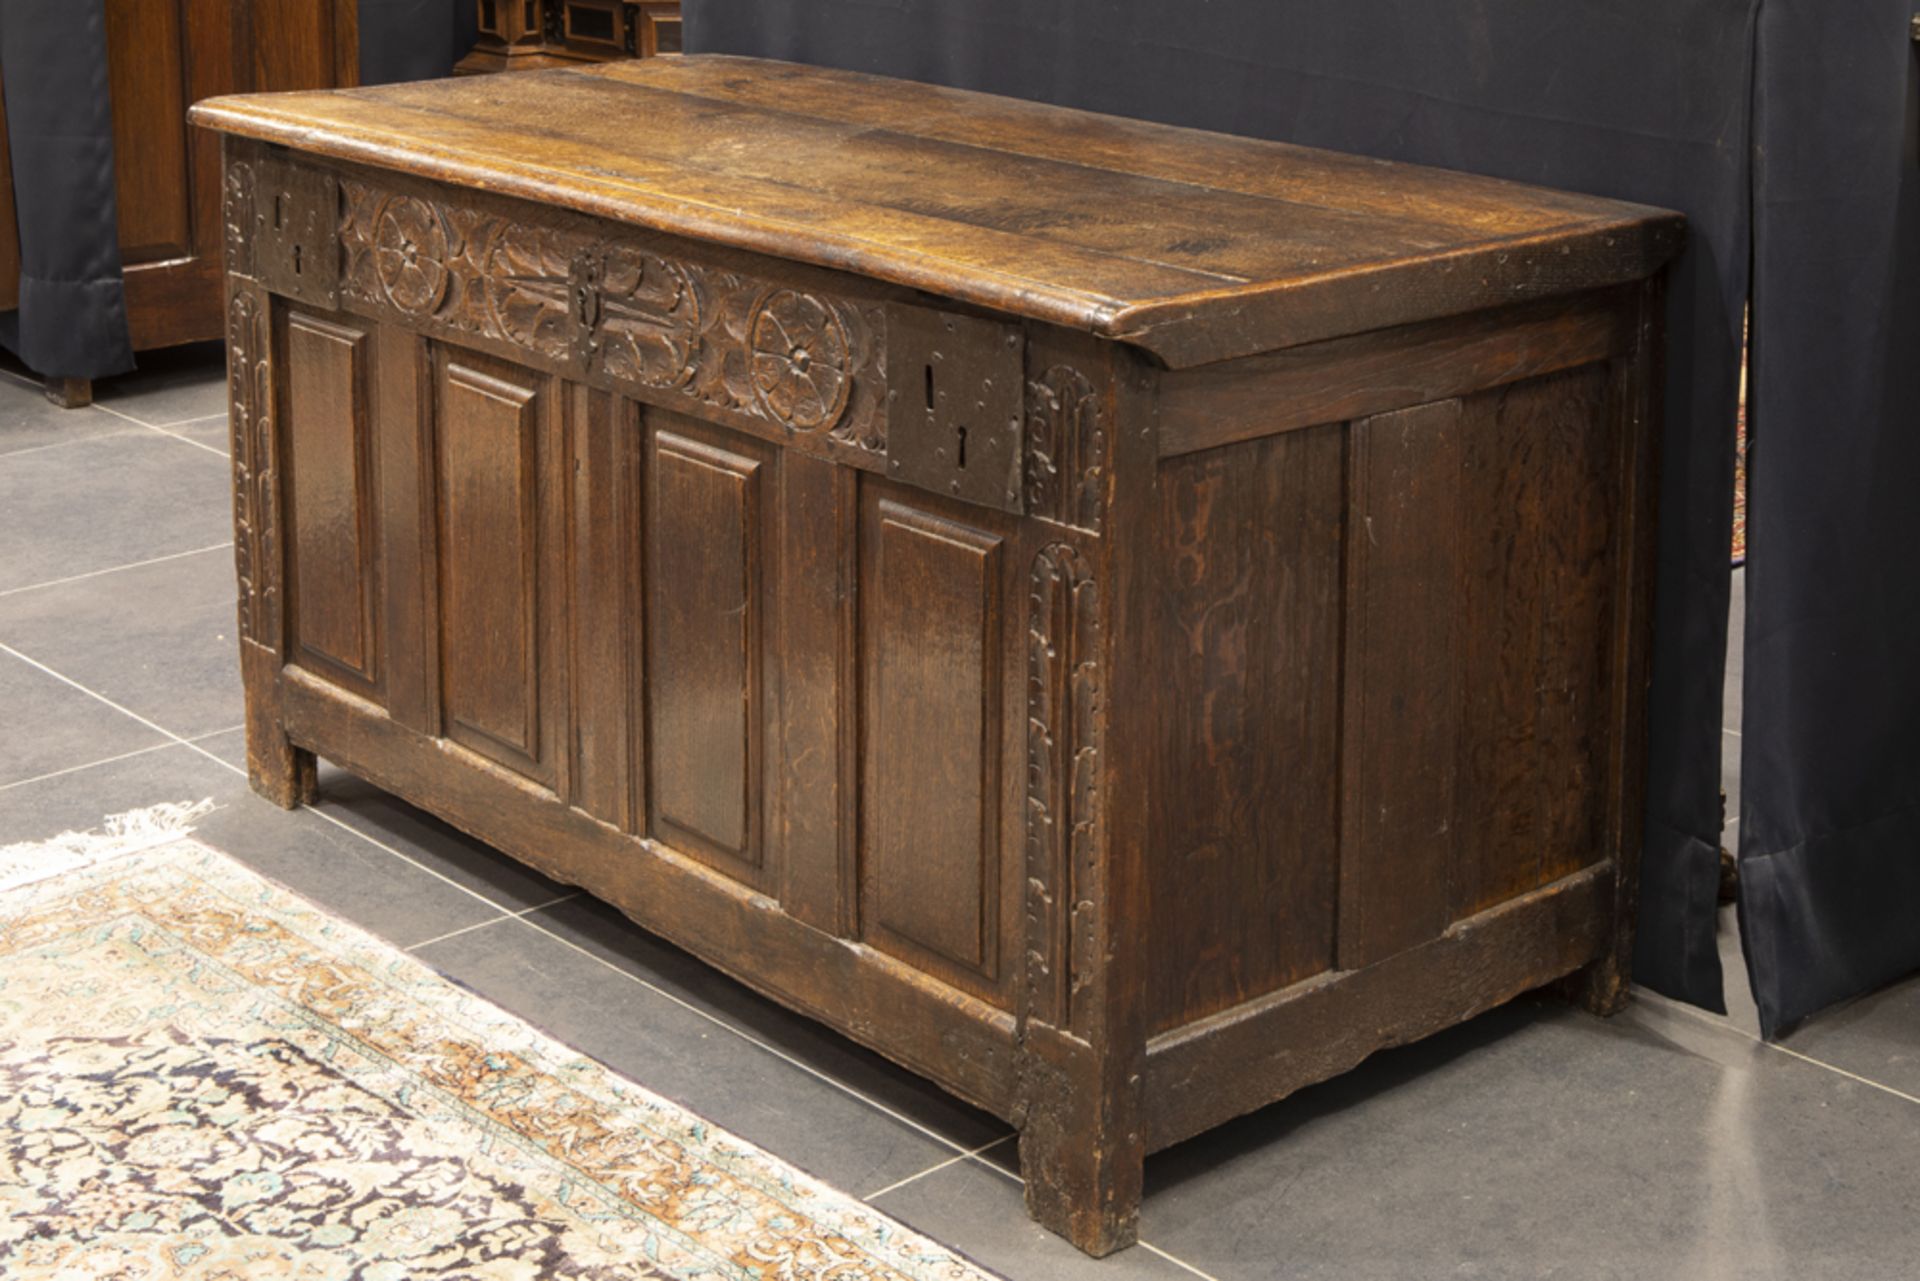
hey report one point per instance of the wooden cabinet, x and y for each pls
(529, 35)
(163, 56)
(1126, 623)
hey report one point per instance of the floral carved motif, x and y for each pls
(650, 318)
(801, 359)
(249, 389)
(410, 255)
(1066, 463)
(622, 310)
(1065, 714)
(528, 292)
(473, 273)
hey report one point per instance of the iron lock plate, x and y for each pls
(296, 232)
(954, 406)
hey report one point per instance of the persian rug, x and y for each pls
(204, 1077)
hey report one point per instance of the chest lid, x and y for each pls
(1194, 246)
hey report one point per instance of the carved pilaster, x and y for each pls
(255, 471)
(1064, 727)
(237, 217)
(1066, 464)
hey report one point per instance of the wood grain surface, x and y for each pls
(1196, 246)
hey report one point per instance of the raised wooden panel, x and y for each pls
(491, 418)
(933, 606)
(706, 600)
(1243, 871)
(147, 66)
(332, 501)
(1535, 600)
(1400, 729)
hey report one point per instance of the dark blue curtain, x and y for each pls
(413, 39)
(1830, 777)
(72, 317)
(1629, 98)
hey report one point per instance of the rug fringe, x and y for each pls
(117, 837)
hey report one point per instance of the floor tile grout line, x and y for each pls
(188, 440)
(109, 760)
(1176, 1260)
(454, 934)
(1717, 1020)
(61, 444)
(935, 1168)
(491, 920)
(124, 710)
(1851, 1076)
(160, 427)
(114, 569)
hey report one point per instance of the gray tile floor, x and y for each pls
(1532, 1142)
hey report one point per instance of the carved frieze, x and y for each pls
(1066, 464)
(249, 388)
(623, 310)
(649, 319)
(1065, 714)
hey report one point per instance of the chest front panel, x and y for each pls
(618, 529)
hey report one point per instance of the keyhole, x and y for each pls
(296, 260)
(929, 388)
(963, 447)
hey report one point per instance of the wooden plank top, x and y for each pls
(1195, 246)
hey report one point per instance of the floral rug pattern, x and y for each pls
(203, 1077)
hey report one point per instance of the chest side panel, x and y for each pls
(1390, 651)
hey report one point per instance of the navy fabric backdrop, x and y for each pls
(1648, 102)
(413, 39)
(72, 318)
(1830, 777)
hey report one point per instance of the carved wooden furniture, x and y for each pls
(1121, 620)
(532, 35)
(164, 55)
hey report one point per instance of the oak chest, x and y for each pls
(1123, 621)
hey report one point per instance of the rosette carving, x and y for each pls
(410, 255)
(800, 361)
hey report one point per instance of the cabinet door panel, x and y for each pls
(496, 654)
(932, 603)
(707, 599)
(332, 502)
